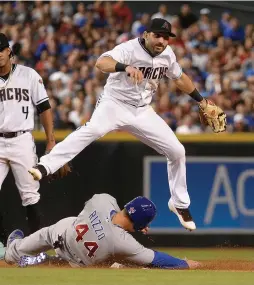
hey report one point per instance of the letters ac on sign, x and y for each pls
(221, 192)
(237, 203)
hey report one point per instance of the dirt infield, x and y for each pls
(225, 265)
(228, 265)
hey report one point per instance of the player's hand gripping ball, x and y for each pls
(212, 115)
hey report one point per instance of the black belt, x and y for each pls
(11, 135)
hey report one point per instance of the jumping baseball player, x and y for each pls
(99, 235)
(136, 68)
(21, 94)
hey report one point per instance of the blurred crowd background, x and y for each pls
(62, 40)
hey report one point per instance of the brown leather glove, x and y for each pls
(60, 173)
(213, 116)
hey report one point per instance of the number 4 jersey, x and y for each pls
(94, 239)
(20, 93)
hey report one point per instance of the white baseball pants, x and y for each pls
(18, 154)
(143, 123)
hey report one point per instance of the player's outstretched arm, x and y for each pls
(164, 261)
(185, 84)
(210, 114)
(135, 253)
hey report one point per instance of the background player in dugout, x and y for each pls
(135, 69)
(21, 93)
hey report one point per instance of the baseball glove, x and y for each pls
(213, 116)
(60, 173)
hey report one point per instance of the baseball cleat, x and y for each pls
(16, 234)
(38, 172)
(26, 260)
(183, 215)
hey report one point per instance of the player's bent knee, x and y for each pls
(176, 153)
(99, 133)
(180, 150)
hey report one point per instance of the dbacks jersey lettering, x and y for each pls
(154, 68)
(19, 95)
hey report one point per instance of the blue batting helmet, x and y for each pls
(141, 212)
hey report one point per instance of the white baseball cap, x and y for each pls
(239, 118)
(205, 11)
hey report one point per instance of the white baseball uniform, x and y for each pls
(91, 238)
(125, 106)
(19, 95)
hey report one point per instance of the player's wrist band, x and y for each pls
(196, 95)
(120, 67)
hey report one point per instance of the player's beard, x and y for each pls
(156, 49)
(152, 48)
(160, 49)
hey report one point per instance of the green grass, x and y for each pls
(43, 276)
(66, 276)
